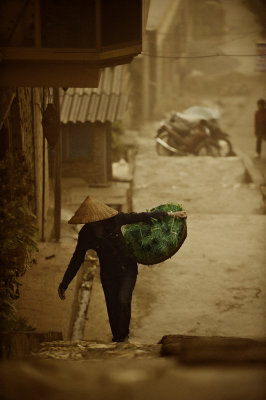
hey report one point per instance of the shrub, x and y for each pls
(18, 236)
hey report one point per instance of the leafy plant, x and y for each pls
(18, 235)
(155, 241)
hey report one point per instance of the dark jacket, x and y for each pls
(260, 123)
(110, 246)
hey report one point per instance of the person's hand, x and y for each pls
(179, 214)
(61, 292)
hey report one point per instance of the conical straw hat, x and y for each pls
(92, 210)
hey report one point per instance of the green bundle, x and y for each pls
(157, 240)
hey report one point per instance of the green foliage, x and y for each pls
(18, 236)
(118, 148)
(155, 241)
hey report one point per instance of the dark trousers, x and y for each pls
(258, 144)
(118, 295)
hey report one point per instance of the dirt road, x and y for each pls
(215, 284)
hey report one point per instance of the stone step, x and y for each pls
(216, 349)
(92, 350)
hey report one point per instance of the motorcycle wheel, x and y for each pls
(225, 148)
(207, 149)
(162, 151)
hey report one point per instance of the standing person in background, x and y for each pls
(260, 125)
(118, 269)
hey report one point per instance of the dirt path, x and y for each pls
(215, 284)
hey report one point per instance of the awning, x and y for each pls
(108, 102)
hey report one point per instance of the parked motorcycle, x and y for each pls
(195, 131)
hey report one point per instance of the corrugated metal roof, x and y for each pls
(108, 102)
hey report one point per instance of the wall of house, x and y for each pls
(155, 76)
(16, 136)
(21, 114)
(95, 168)
(31, 105)
(170, 44)
(136, 110)
(42, 181)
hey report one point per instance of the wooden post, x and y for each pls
(58, 171)
(98, 26)
(37, 22)
(43, 185)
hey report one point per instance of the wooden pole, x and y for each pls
(98, 26)
(43, 183)
(37, 20)
(58, 172)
